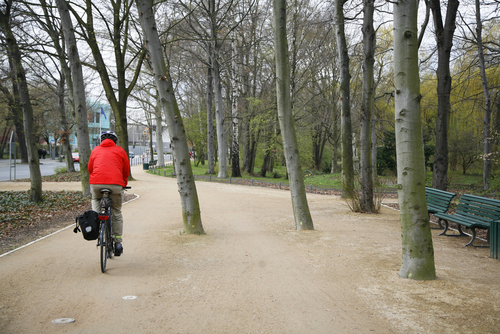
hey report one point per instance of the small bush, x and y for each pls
(60, 169)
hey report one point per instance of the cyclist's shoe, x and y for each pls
(118, 249)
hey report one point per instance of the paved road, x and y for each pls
(47, 167)
(21, 171)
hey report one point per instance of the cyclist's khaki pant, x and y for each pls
(116, 206)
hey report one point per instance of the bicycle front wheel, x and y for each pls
(103, 243)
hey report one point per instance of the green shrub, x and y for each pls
(60, 169)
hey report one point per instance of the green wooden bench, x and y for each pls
(152, 163)
(472, 212)
(438, 201)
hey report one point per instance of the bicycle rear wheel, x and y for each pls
(109, 239)
(103, 243)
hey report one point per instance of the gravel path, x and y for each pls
(251, 273)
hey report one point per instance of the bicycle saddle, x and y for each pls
(105, 190)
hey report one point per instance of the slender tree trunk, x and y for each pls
(185, 181)
(70, 166)
(235, 146)
(417, 250)
(210, 115)
(444, 37)
(487, 101)
(335, 142)
(303, 220)
(159, 133)
(82, 129)
(200, 151)
(374, 152)
(253, 151)
(345, 104)
(14, 56)
(367, 108)
(16, 113)
(219, 118)
(246, 136)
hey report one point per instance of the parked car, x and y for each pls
(131, 155)
(76, 157)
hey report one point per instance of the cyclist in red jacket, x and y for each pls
(109, 167)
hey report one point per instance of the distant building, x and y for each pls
(99, 121)
(138, 139)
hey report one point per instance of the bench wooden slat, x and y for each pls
(464, 220)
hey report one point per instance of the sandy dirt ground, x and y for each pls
(251, 272)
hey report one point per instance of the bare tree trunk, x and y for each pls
(82, 129)
(159, 133)
(185, 181)
(303, 220)
(346, 127)
(70, 166)
(235, 147)
(374, 151)
(210, 115)
(14, 56)
(16, 113)
(219, 119)
(367, 108)
(487, 101)
(444, 37)
(335, 142)
(417, 250)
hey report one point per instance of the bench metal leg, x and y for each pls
(439, 223)
(446, 226)
(474, 238)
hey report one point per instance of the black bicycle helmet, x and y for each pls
(109, 135)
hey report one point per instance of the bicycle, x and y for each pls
(106, 241)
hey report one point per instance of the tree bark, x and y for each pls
(417, 250)
(185, 181)
(367, 108)
(14, 56)
(235, 146)
(16, 113)
(210, 115)
(66, 127)
(345, 104)
(219, 110)
(444, 39)
(303, 220)
(159, 134)
(82, 129)
(487, 102)
(219, 118)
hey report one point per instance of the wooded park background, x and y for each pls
(221, 58)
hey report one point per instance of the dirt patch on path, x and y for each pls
(251, 273)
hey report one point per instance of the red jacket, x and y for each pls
(109, 164)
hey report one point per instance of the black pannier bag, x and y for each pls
(88, 224)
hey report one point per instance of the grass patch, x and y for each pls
(316, 179)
